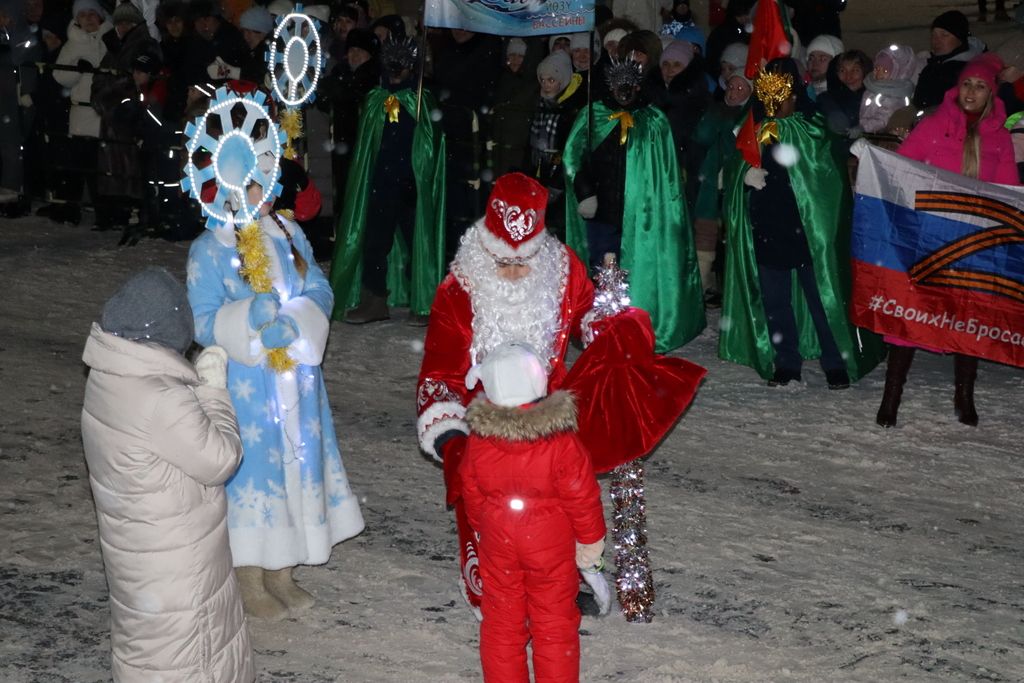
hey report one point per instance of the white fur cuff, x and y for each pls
(231, 330)
(439, 418)
(314, 326)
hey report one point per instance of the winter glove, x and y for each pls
(859, 146)
(84, 65)
(755, 178)
(212, 367)
(602, 592)
(219, 69)
(587, 208)
(280, 333)
(588, 556)
(25, 101)
(855, 133)
(263, 309)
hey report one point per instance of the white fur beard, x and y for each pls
(527, 310)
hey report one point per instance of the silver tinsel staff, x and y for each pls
(634, 583)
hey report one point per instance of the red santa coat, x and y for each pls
(530, 492)
(441, 396)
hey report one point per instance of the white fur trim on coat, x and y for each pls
(439, 418)
(314, 327)
(232, 331)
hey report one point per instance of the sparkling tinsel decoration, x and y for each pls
(634, 584)
(611, 295)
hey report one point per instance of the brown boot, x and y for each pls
(257, 601)
(372, 308)
(282, 586)
(965, 370)
(896, 370)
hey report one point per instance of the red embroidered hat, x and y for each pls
(514, 218)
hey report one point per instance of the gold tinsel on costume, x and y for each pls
(392, 108)
(255, 269)
(625, 120)
(773, 88)
(291, 124)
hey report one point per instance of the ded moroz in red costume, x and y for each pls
(475, 310)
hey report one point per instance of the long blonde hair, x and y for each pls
(970, 166)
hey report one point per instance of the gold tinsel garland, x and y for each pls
(255, 269)
(291, 124)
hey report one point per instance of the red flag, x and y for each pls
(746, 141)
(770, 38)
(769, 41)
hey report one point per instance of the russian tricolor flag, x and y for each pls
(938, 258)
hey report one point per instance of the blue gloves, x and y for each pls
(280, 333)
(263, 309)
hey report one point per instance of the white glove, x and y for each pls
(212, 367)
(859, 147)
(602, 592)
(219, 69)
(855, 133)
(587, 208)
(25, 101)
(588, 555)
(755, 178)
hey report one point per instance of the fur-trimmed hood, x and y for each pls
(554, 414)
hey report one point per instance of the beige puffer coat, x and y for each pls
(159, 446)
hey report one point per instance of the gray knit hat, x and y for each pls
(151, 307)
(127, 12)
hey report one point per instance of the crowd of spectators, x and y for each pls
(93, 97)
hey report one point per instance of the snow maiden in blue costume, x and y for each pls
(257, 291)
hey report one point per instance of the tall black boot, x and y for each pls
(965, 370)
(896, 370)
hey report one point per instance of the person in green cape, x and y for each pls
(624, 196)
(788, 221)
(390, 238)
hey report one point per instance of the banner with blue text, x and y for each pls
(512, 17)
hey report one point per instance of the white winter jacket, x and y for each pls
(83, 120)
(159, 446)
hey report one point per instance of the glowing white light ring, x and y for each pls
(291, 88)
(198, 136)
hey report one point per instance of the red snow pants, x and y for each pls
(530, 584)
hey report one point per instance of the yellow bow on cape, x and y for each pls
(392, 107)
(625, 120)
(769, 133)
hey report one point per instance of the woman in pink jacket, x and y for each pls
(965, 135)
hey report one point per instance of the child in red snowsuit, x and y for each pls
(531, 493)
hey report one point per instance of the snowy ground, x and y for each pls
(792, 539)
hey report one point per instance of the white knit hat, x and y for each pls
(830, 45)
(735, 54)
(512, 375)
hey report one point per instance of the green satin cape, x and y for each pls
(823, 198)
(428, 162)
(657, 237)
